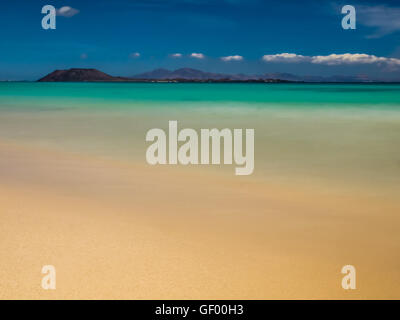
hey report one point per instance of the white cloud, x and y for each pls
(333, 59)
(135, 55)
(232, 58)
(176, 55)
(356, 58)
(67, 11)
(197, 55)
(285, 57)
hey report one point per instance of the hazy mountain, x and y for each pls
(183, 73)
(155, 74)
(194, 74)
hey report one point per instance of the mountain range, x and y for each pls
(194, 74)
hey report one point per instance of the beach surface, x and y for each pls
(77, 193)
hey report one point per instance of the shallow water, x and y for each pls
(343, 135)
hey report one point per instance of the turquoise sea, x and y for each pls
(22, 94)
(334, 134)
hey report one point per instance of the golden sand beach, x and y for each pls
(117, 229)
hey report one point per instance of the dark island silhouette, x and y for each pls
(78, 75)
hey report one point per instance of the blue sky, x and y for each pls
(126, 37)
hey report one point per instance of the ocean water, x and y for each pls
(339, 135)
(184, 94)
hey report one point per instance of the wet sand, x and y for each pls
(123, 229)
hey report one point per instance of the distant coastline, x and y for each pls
(94, 75)
(188, 75)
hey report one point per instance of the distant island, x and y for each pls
(190, 75)
(79, 75)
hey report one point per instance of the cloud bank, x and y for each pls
(284, 57)
(332, 59)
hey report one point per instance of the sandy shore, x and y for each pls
(131, 231)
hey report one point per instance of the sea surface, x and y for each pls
(61, 95)
(339, 135)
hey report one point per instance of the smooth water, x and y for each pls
(14, 94)
(333, 134)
